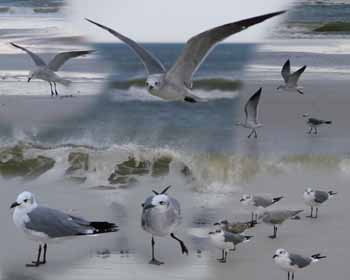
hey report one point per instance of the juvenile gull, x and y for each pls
(277, 217)
(46, 72)
(42, 224)
(251, 114)
(253, 202)
(293, 262)
(314, 198)
(291, 79)
(161, 215)
(224, 241)
(236, 227)
(176, 83)
(314, 123)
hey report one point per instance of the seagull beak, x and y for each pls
(14, 205)
(211, 232)
(274, 256)
(241, 200)
(148, 206)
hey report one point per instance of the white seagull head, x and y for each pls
(25, 201)
(154, 83)
(246, 199)
(280, 253)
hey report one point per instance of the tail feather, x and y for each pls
(275, 199)
(65, 82)
(103, 227)
(317, 257)
(331, 193)
(327, 122)
(248, 237)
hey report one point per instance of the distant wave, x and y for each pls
(334, 27)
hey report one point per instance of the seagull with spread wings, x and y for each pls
(291, 79)
(176, 83)
(46, 72)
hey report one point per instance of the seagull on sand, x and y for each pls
(43, 225)
(46, 72)
(293, 262)
(291, 79)
(315, 198)
(235, 227)
(251, 114)
(176, 83)
(314, 123)
(161, 215)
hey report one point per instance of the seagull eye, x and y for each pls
(156, 83)
(25, 201)
(161, 202)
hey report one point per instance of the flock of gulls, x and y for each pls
(161, 213)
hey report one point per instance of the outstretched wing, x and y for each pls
(61, 58)
(199, 46)
(293, 78)
(286, 71)
(251, 107)
(152, 64)
(37, 59)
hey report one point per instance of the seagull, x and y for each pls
(251, 114)
(291, 79)
(224, 241)
(314, 123)
(277, 217)
(46, 72)
(315, 198)
(176, 83)
(254, 202)
(161, 215)
(43, 225)
(293, 262)
(237, 227)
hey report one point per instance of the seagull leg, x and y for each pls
(255, 134)
(225, 259)
(311, 212)
(315, 130)
(310, 130)
(222, 256)
(154, 260)
(52, 93)
(293, 276)
(234, 247)
(316, 213)
(274, 233)
(288, 275)
(56, 92)
(184, 249)
(44, 256)
(37, 262)
(251, 133)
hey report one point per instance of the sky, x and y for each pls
(171, 21)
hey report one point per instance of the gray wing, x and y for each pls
(321, 196)
(315, 121)
(279, 216)
(262, 201)
(251, 107)
(234, 238)
(151, 63)
(299, 261)
(37, 59)
(55, 223)
(293, 78)
(61, 58)
(286, 71)
(199, 46)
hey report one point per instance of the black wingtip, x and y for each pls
(318, 256)
(255, 20)
(275, 199)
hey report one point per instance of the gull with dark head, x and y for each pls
(315, 198)
(292, 262)
(161, 215)
(251, 114)
(176, 83)
(43, 225)
(47, 72)
(291, 79)
(314, 123)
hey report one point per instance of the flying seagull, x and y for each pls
(291, 79)
(42, 224)
(314, 123)
(161, 215)
(254, 202)
(251, 114)
(46, 72)
(176, 83)
(314, 198)
(293, 262)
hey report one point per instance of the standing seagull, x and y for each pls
(161, 215)
(277, 217)
(291, 79)
(237, 227)
(251, 114)
(293, 262)
(314, 198)
(254, 202)
(43, 224)
(224, 241)
(176, 84)
(314, 123)
(46, 72)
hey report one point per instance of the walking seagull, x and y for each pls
(176, 83)
(46, 72)
(224, 241)
(42, 224)
(161, 215)
(315, 198)
(291, 79)
(277, 217)
(293, 262)
(254, 202)
(237, 227)
(314, 123)
(251, 114)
